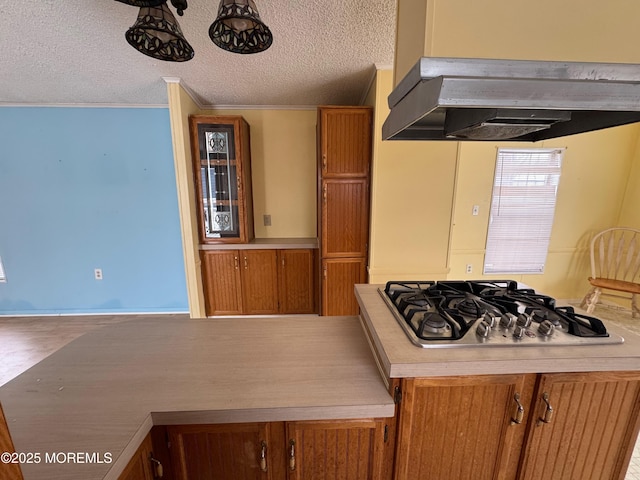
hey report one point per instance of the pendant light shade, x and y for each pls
(180, 5)
(157, 34)
(143, 3)
(238, 28)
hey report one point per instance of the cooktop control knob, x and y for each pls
(490, 319)
(546, 328)
(518, 332)
(507, 320)
(483, 330)
(524, 320)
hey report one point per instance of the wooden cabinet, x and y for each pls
(296, 285)
(242, 451)
(339, 275)
(572, 426)
(345, 218)
(10, 471)
(344, 146)
(222, 284)
(344, 162)
(331, 450)
(344, 450)
(259, 282)
(591, 430)
(222, 172)
(140, 467)
(461, 427)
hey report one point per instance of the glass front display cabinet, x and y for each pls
(222, 170)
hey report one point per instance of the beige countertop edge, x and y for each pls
(397, 357)
(265, 243)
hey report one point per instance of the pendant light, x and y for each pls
(157, 34)
(238, 28)
(180, 5)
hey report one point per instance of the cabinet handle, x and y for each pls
(292, 455)
(548, 412)
(324, 193)
(517, 418)
(246, 265)
(324, 163)
(235, 261)
(263, 456)
(239, 182)
(158, 471)
(282, 262)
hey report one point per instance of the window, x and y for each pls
(522, 208)
(3, 277)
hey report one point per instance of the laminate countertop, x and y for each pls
(397, 357)
(104, 391)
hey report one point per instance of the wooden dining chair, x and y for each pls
(8, 471)
(615, 267)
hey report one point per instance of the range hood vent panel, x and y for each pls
(515, 100)
(481, 124)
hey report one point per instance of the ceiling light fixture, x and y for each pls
(156, 32)
(238, 28)
(180, 5)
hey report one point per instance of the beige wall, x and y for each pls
(412, 198)
(283, 166)
(582, 30)
(630, 214)
(595, 170)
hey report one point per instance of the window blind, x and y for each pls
(522, 209)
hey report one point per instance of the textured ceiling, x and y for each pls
(74, 52)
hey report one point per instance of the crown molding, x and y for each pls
(187, 89)
(260, 107)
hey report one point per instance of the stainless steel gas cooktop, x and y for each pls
(498, 313)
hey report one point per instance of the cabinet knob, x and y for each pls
(292, 455)
(263, 456)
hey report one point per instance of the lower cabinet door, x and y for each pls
(242, 451)
(335, 450)
(259, 282)
(462, 428)
(296, 285)
(584, 426)
(221, 280)
(339, 275)
(140, 466)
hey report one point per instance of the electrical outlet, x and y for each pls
(267, 220)
(98, 273)
(475, 210)
(469, 268)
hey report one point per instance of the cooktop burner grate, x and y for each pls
(499, 313)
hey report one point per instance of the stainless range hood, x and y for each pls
(514, 100)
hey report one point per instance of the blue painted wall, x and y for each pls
(86, 188)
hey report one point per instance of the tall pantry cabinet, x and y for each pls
(344, 161)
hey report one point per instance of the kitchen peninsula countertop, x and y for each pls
(397, 357)
(105, 390)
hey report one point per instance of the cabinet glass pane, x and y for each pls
(218, 178)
